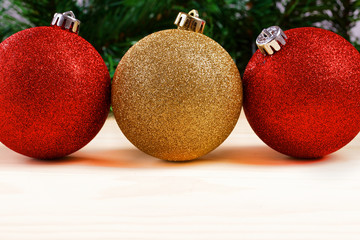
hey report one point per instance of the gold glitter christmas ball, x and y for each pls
(176, 95)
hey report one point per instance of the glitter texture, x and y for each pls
(176, 95)
(304, 101)
(54, 92)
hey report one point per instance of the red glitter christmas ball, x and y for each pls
(54, 92)
(304, 100)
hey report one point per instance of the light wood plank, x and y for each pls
(242, 190)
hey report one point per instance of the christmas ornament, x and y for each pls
(54, 90)
(302, 91)
(177, 94)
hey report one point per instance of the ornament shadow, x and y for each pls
(256, 155)
(133, 158)
(120, 158)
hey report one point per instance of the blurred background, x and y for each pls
(113, 26)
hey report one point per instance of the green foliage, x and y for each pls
(113, 26)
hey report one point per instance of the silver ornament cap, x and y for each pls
(67, 21)
(270, 39)
(190, 21)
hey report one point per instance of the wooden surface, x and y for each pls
(242, 190)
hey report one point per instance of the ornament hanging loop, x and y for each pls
(190, 21)
(66, 21)
(270, 39)
(194, 13)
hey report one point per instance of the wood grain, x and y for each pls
(242, 190)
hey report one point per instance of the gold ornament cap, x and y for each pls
(66, 21)
(190, 21)
(270, 39)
